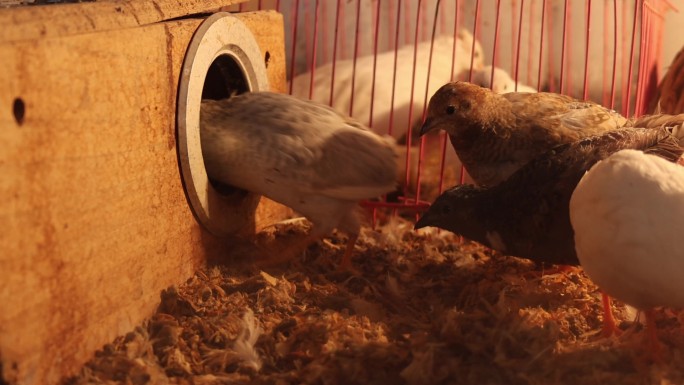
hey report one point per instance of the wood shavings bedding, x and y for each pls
(426, 309)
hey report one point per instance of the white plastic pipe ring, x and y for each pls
(220, 36)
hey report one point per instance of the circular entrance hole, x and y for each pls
(224, 80)
(222, 60)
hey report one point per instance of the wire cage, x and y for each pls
(381, 60)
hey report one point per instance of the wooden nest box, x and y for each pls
(103, 186)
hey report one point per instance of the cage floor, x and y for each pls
(424, 309)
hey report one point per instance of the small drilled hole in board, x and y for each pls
(19, 110)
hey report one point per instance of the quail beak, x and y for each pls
(428, 125)
(424, 221)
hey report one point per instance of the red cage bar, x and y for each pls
(369, 81)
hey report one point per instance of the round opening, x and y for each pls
(225, 79)
(222, 60)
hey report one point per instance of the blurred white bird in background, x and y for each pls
(383, 104)
(503, 82)
(440, 73)
(302, 154)
(627, 213)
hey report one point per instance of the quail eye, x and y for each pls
(450, 110)
(446, 209)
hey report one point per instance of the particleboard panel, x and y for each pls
(266, 38)
(95, 220)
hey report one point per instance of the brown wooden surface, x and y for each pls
(33, 22)
(95, 221)
(266, 37)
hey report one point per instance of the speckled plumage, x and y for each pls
(297, 152)
(494, 135)
(527, 215)
(659, 121)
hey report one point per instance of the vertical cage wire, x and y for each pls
(381, 60)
